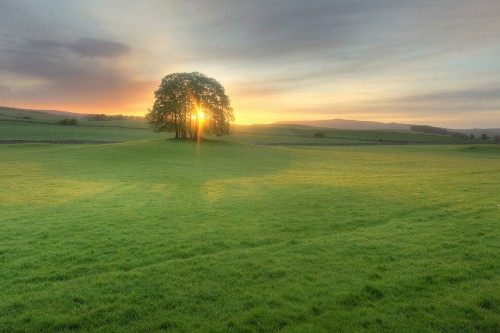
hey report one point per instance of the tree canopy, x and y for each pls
(191, 104)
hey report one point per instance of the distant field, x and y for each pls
(266, 134)
(34, 125)
(26, 125)
(160, 235)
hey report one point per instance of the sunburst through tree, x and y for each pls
(191, 104)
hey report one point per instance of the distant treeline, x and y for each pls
(436, 130)
(101, 117)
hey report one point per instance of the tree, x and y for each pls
(319, 134)
(68, 122)
(191, 103)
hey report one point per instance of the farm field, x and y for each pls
(34, 125)
(18, 124)
(265, 134)
(160, 235)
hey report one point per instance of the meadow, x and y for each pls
(160, 235)
(34, 125)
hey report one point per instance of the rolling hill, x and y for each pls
(346, 124)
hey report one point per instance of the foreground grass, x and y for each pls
(171, 236)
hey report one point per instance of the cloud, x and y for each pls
(58, 54)
(83, 73)
(258, 30)
(46, 59)
(98, 48)
(471, 95)
(335, 31)
(85, 47)
(459, 107)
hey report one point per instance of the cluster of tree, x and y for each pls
(436, 130)
(68, 122)
(495, 138)
(191, 104)
(105, 117)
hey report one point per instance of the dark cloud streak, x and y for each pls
(478, 94)
(85, 47)
(98, 48)
(452, 102)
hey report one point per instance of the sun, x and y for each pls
(201, 115)
(198, 115)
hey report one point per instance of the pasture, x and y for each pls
(159, 235)
(35, 125)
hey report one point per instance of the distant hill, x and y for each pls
(347, 124)
(373, 125)
(63, 113)
(491, 132)
(13, 112)
(19, 112)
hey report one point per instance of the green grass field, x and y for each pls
(160, 235)
(290, 134)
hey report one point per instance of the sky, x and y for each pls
(434, 62)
